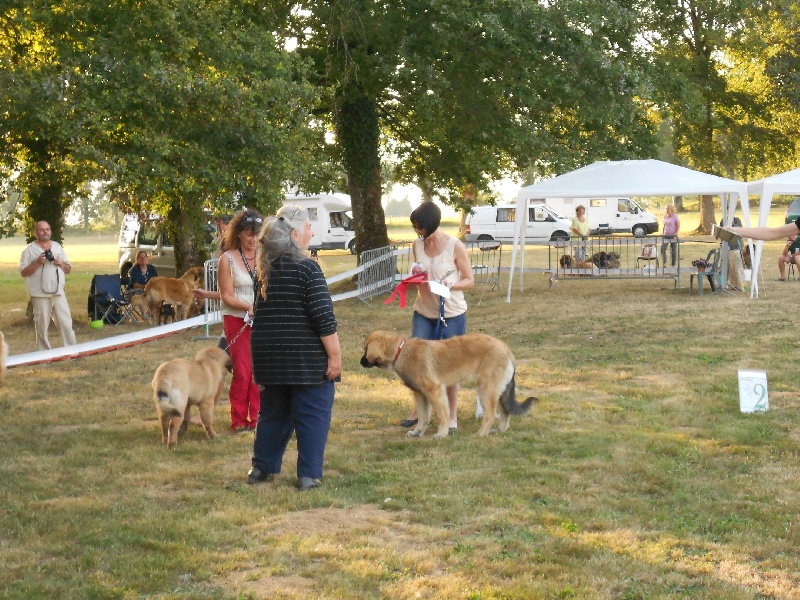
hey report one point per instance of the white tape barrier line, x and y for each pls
(105, 345)
(118, 342)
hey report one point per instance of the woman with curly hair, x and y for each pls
(236, 276)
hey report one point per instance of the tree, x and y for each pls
(178, 104)
(717, 124)
(464, 92)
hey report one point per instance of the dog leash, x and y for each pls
(236, 337)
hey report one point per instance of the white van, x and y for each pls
(330, 221)
(607, 215)
(486, 223)
(151, 237)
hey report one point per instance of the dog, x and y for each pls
(428, 367)
(3, 357)
(606, 260)
(167, 314)
(166, 290)
(194, 278)
(181, 383)
(566, 261)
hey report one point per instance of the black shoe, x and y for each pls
(408, 422)
(307, 483)
(256, 475)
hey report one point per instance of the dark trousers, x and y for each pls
(286, 409)
(673, 247)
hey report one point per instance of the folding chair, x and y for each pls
(106, 301)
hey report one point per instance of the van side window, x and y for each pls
(312, 214)
(597, 202)
(536, 215)
(622, 205)
(148, 234)
(506, 215)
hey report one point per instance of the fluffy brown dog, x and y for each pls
(167, 290)
(428, 367)
(3, 356)
(181, 383)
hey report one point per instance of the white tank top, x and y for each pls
(443, 268)
(242, 288)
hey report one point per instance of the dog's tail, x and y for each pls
(509, 403)
(166, 405)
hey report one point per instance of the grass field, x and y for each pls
(636, 476)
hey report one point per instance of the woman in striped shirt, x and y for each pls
(295, 351)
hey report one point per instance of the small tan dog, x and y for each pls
(160, 290)
(181, 383)
(3, 357)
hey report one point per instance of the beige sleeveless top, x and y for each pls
(242, 287)
(443, 268)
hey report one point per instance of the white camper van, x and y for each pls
(330, 221)
(607, 215)
(486, 223)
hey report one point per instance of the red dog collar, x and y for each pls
(400, 347)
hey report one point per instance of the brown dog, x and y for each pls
(167, 290)
(181, 383)
(194, 277)
(428, 367)
(3, 357)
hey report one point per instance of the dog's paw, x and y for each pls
(414, 433)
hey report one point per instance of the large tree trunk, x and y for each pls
(470, 197)
(359, 137)
(707, 217)
(185, 227)
(45, 192)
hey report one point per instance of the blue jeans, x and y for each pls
(424, 328)
(286, 409)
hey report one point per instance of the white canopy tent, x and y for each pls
(626, 178)
(784, 183)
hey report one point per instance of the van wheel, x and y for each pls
(559, 236)
(485, 238)
(639, 231)
(352, 246)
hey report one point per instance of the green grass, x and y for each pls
(636, 476)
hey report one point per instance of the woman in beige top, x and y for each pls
(444, 259)
(236, 275)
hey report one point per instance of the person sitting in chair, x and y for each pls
(140, 273)
(789, 255)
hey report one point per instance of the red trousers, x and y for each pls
(245, 395)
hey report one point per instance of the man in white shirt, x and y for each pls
(44, 266)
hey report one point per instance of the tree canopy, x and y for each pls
(181, 107)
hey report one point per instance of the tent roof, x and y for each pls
(631, 178)
(783, 183)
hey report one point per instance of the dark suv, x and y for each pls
(792, 211)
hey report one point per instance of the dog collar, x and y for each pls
(400, 347)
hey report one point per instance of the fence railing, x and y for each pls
(211, 307)
(622, 257)
(382, 268)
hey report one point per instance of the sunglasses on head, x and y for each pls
(252, 220)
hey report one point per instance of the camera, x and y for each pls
(48, 254)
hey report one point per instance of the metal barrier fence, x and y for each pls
(616, 257)
(383, 268)
(211, 308)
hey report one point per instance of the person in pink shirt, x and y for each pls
(672, 226)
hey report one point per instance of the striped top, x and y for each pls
(285, 342)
